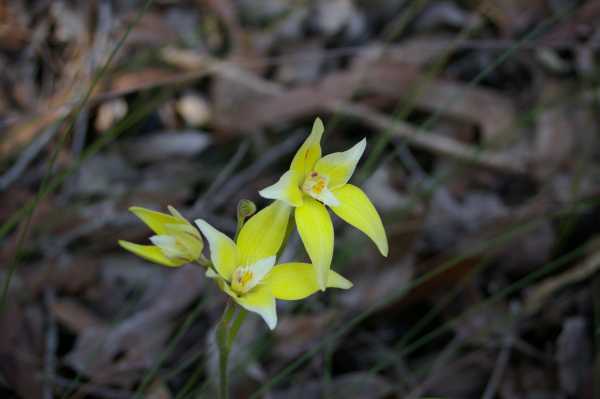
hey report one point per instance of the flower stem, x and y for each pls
(226, 334)
(237, 324)
(222, 343)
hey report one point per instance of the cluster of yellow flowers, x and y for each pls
(246, 268)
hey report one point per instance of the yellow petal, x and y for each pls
(356, 209)
(293, 281)
(181, 228)
(223, 252)
(287, 189)
(310, 151)
(263, 234)
(316, 231)
(168, 246)
(151, 253)
(260, 300)
(336, 280)
(155, 220)
(193, 244)
(339, 166)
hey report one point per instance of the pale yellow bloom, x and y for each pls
(314, 181)
(176, 241)
(246, 269)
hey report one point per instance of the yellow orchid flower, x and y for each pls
(246, 269)
(176, 241)
(314, 181)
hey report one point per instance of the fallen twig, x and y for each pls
(27, 156)
(271, 156)
(51, 343)
(501, 364)
(432, 142)
(222, 177)
(536, 296)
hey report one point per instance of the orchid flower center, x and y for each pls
(247, 277)
(243, 280)
(314, 184)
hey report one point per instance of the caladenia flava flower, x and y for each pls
(246, 269)
(314, 181)
(176, 241)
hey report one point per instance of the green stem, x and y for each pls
(240, 224)
(226, 333)
(222, 344)
(235, 327)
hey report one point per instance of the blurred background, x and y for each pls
(483, 158)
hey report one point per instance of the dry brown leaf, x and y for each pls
(69, 21)
(573, 355)
(537, 295)
(158, 390)
(439, 15)
(70, 275)
(167, 145)
(22, 133)
(117, 354)
(417, 51)
(376, 286)
(296, 334)
(151, 30)
(450, 219)
(555, 133)
(583, 21)
(511, 16)
(148, 77)
(493, 112)
(227, 12)
(14, 33)
(461, 378)
(74, 316)
(19, 354)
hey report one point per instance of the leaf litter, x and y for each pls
(483, 156)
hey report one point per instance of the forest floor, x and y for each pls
(482, 120)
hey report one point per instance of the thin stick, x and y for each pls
(51, 345)
(433, 142)
(222, 177)
(440, 363)
(501, 363)
(27, 156)
(264, 162)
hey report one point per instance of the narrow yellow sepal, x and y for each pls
(157, 221)
(310, 151)
(262, 235)
(338, 167)
(316, 231)
(223, 252)
(294, 281)
(287, 189)
(356, 209)
(151, 253)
